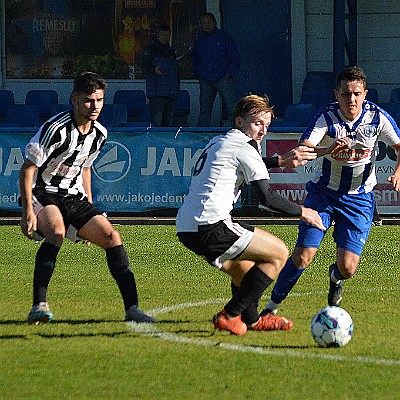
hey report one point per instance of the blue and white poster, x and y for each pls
(150, 169)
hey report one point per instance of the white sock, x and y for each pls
(272, 306)
(334, 279)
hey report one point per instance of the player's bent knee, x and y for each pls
(56, 238)
(280, 253)
(106, 239)
(114, 238)
(302, 257)
(348, 270)
(283, 252)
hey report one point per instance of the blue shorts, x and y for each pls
(352, 214)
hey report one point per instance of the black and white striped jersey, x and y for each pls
(61, 152)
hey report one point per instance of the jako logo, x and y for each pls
(114, 162)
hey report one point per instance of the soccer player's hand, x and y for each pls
(312, 217)
(297, 157)
(28, 224)
(395, 181)
(340, 144)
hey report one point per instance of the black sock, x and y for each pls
(118, 263)
(251, 289)
(250, 314)
(44, 267)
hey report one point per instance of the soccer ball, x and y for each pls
(332, 327)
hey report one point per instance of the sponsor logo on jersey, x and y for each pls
(351, 154)
(369, 131)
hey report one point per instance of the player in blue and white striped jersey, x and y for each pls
(56, 196)
(345, 136)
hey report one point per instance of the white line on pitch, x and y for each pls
(174, 307)
(152, 331)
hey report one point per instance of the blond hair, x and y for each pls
(252, 104)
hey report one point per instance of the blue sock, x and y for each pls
(286, 280)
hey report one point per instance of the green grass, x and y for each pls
(88, 353)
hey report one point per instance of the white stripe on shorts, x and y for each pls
(71, 234)
(238, 247)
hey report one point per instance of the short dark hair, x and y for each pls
(210, 15)
(88, 83)
(351, 74)
(163, 28)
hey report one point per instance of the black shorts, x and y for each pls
(224, 240)
(75, 210)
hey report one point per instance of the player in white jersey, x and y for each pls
(345, 136)
(56, 196)
(251, 256)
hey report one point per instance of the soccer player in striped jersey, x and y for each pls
(251, 256)
(56, 196)
(345, 136)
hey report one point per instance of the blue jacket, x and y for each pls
(166, 85)
(215, 55)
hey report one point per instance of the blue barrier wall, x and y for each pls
(146, 169)
(136, 171)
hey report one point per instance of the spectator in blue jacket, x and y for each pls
(162, 78)
(215, 60)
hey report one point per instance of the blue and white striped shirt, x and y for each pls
(350, 171)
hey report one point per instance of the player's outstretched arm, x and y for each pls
(339, 144)
(273, 201)
(297, 157)
(294, 158)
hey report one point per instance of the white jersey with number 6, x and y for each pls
(225, 164)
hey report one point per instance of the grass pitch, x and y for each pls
(87, 352)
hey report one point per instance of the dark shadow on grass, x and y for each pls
(83, 322)
(79, 335)
(196, 332)
(29, 336)
(13, 322)
(171, 321)
(60, 321)
(36, 331)
(199, 331)
(271, 347)
(285, 347)
(5, 337)
(219, 336)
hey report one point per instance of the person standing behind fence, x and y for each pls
(215, 62)
(162, 77)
